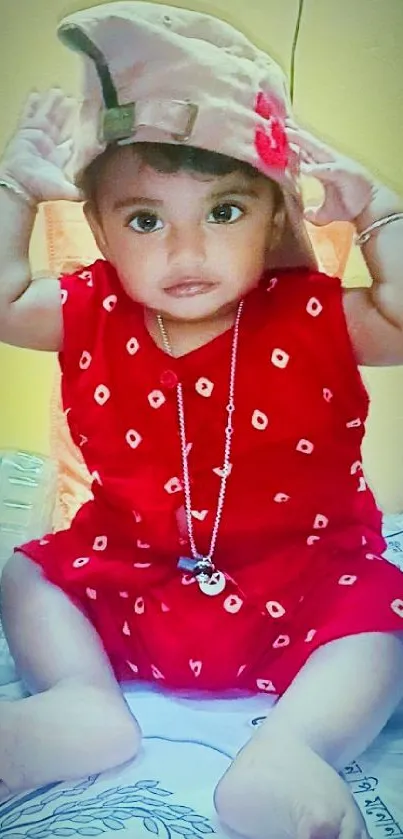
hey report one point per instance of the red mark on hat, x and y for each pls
(271, 142)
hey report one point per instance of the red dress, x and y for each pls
(300, 538)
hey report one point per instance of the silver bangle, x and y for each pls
(366, 234)
(21, 193)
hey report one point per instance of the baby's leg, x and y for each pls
(284, 783)
(77, 723)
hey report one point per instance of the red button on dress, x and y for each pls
(168, 378)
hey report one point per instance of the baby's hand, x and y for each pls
(348, 187)
(41, 147)
(278, 789)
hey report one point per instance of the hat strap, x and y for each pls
(76, 39)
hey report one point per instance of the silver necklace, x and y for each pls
(210, 580)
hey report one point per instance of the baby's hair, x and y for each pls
(168, 158)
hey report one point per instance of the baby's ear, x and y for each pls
(92, 215)
(277, 228)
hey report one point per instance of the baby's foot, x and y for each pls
(281, 789)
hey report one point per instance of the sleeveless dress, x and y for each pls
(300, 539)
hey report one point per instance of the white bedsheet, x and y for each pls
(188, 743)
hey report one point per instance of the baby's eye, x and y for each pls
(226, 213)
(145, 222)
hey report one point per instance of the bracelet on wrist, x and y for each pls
(365, 235)
(19, 192)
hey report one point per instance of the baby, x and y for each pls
(209, 378)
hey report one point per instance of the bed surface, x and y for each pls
(188, 743)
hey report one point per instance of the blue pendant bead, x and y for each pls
(202, 567)
(187, 563)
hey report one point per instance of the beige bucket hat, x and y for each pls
(156, 73)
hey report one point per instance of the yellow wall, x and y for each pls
(349, 90)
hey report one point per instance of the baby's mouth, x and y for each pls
(189, 288)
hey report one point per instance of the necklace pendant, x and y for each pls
(187, 563)
(201, 567)
(215, 584)
(210, 581)
(204, 569)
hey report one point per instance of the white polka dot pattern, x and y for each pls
(139, 606)
(132, 346)
(172, 486)
(219, 470)
(204, 386)
(200, 515)
(320, 522)
(260, 420)
(280, 358)
(275, 609)
(100, 543)
(314, 307)
(109, 302)
(196, 667)
(102, 394)
(282, 641)
(347, 580)
(85, 360)
(265, 685)
(87, 277)
(80, 561)
(133, 438)
(156, 398)
(233, 604)
(187, 580)
(397, 607)
(305, 446)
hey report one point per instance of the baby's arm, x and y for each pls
(30, 312)
(78, 722)
(350, 193)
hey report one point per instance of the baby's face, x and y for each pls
(183, 245)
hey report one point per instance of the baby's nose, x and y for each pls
(188, 245)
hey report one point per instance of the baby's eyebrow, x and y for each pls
(137, 200)
(237, 189)
(134, 200)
